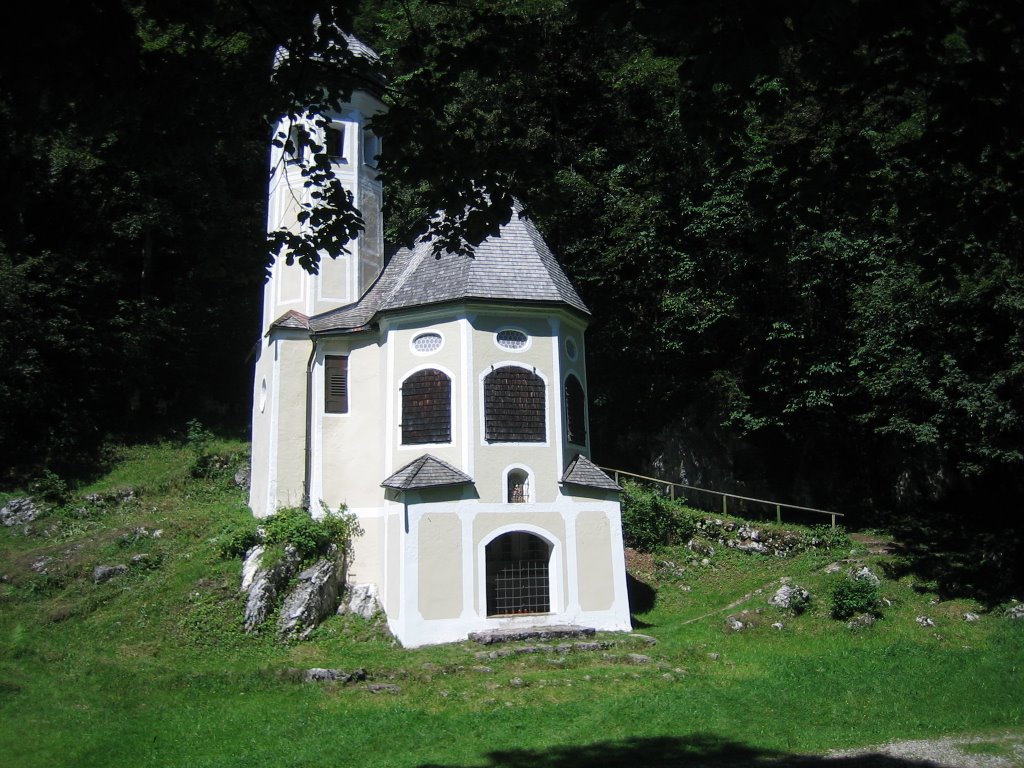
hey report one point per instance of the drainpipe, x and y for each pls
(308, 476)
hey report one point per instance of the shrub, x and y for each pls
(853, 596)
(309, 536)
(50, 487)
(650, 520)
(236, 540)
(826, 536)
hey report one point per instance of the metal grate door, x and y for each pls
(517, 575)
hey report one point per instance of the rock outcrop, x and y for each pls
(266, 584)
(313, 599)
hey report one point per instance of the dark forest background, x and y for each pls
(798, 224)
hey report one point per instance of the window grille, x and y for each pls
(518, 487)
(518, 575)
(512, 339)
(427, 342)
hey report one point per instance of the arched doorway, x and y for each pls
(518, 579)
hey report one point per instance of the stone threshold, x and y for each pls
(513, 634)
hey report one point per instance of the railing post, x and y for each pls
(833, 521)
(778, 514)
(725, 504)
(672, 491)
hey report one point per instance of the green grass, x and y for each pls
(152, 668)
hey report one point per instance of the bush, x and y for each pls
(650, 520)
(309, 536)
(855, 596)
(50, 487)
(238, 539)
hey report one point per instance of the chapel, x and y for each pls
(443, 401)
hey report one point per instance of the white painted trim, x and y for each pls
(468, 393)
(390, 422)
(556, 366)
(275, 408)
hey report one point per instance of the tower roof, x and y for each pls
(514, 266)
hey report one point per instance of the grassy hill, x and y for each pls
(152, 668)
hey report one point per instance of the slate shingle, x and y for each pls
(516, 266)
(582, 471)
(426, 472)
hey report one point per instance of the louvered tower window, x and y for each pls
(336, 384)
(427, 408)
(514, 409)
(575, 412)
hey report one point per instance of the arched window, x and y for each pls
(575, 412)
(514, 409)
(518, 486)
(517, 575)
(427, 408)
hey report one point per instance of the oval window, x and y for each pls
(512, 339)
(570, 349)
(426, 343)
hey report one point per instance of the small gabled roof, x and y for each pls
(292, 319)
(516, 266)
(426, 472)
(582, 471)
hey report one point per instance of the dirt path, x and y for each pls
(1003, 750)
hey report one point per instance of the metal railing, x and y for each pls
(670, 488)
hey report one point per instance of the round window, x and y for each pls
(512, 339)
(570, 349)
(426, 343)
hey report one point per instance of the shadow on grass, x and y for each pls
(698, 751)
(642, 597)
(960, 556)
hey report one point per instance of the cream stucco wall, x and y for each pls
(349, 447)
(594, 558)
(293, 355)
(439, 566)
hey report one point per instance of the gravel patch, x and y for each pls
(960, 752)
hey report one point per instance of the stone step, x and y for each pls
(514, 634)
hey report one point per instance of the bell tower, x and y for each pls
(352, 150)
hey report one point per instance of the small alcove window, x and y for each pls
(334, 142)
(263, 394)
(426, 343)
(518, 487)
(512, 339)
(293, 147)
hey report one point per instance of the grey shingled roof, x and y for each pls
(292, 319)
(582, 471)
(426, 472)
(515, 266)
